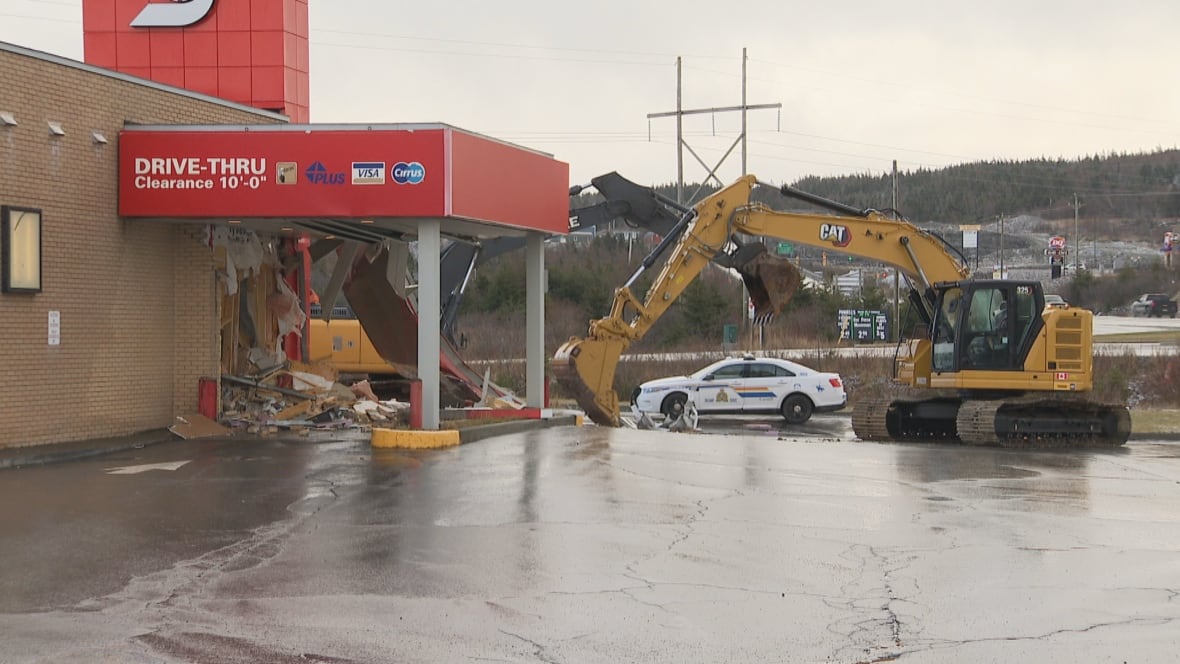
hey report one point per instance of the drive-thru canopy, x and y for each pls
(368, 184)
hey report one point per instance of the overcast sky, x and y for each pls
(861, 82)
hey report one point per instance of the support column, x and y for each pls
(535, 320)
(429, 310)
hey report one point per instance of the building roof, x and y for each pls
(100, 71)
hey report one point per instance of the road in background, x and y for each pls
(1127, 325)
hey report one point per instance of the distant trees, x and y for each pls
(1142, 189)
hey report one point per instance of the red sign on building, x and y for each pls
(279, 171)
(253, 52)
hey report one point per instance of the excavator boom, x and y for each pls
(711, 231)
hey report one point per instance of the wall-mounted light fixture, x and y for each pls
(55, 129)
(98, 137)
(7, 119)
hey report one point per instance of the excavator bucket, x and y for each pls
(770, 280)
(585, 369)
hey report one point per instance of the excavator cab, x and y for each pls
(987, 325)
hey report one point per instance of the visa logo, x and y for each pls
(368, 172)
(317, 173)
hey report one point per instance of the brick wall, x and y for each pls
(138, 299)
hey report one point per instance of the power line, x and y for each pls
(484, 56)
(75, 5)
(42, 18)
(496, 44)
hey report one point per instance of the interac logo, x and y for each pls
(175, 14)
(287, 172)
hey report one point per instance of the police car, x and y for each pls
(745, 385)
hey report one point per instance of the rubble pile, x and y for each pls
(299, 397)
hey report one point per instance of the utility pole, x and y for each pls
(1077, 238)
(744, 170)
(896, 278)
(681, 144)
(679, 134)
(1001, 245)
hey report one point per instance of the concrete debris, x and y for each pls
(309, 382)
(263, 409)
(363, 390)
(193, 427)
(643, 421)
(685, 422)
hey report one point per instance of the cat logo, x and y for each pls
(175, 14)
(836, 234)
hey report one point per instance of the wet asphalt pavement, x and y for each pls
(754, 544)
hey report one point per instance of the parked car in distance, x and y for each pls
(1052, 300)
(746, 384)
(1154, 305)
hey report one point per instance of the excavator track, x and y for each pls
(907, 418)
(976, 423)
(1027, 422)
(869, 420)
(1046, 422)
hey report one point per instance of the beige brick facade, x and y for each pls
(138, 299)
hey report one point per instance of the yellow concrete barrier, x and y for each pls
(414, 439)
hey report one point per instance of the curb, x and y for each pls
(38, 455)
(412, 439)
(409, 439)
(477, 433)
(1168, 435)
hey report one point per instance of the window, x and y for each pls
(760, 371)
(20, 244)
(782, 372)
(946, 319)
(728, 371)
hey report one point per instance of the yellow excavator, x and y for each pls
(992, 364)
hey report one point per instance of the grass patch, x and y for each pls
(1164, 420)
(1157, 336)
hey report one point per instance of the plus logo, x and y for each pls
(175, 14)
(317, 173)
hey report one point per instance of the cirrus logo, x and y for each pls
(408, 173)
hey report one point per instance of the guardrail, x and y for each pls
(1150, 349)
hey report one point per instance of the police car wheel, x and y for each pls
(797, 409)
(673, 404)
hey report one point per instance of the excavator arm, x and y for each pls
(711, 231)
